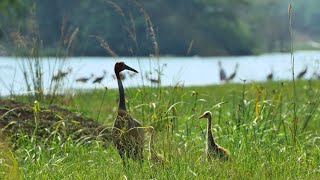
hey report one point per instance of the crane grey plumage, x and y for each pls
(233, 75)
(61, 74)
(222, 73)
(212, 148)
(99, 79)
(302, 73)
(127, 132)
(270, 76)
(84, 79)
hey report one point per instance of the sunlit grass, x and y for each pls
(255, 125)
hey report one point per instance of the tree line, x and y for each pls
(165, 27)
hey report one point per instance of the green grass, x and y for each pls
(252, 120)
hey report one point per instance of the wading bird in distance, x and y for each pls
(270, 76)
(99, 79)
(222, 73)
(302, 73)
(233, 75)
(84, 79)
(61, 74)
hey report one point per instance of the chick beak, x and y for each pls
(202, 116)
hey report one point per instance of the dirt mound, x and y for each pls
(19, 119)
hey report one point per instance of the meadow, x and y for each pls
(270, 132)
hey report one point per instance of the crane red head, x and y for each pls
(120, 66)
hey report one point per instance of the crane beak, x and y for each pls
(202, 116)
(130, 68)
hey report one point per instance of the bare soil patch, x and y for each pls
(17, 119)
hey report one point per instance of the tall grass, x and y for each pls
(8, 165)
(258, 149)
(295, 118)
(30, 54)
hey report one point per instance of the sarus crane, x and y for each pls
(127, 133)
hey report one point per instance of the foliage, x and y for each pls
(253, 121)
(182, 27)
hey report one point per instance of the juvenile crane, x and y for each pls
(127, 135)
(212, 148)
(153, 157)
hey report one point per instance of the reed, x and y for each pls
(295, 118)
(255, 147)
(8, 164)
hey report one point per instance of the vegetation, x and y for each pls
(253, 121)
(205, 27)
(270, 128)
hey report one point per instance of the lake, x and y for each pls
(184, 70)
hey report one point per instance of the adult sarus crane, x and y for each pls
(127, 133)
(212, 148)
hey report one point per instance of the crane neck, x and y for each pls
(122, 102)
(210, 140)
(152, 151)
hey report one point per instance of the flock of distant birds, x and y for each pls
(269, 77)
(60, 75)
(223, 76)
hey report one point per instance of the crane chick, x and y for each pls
(153, 157)
(213, 149)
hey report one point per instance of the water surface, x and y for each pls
(184, 70)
